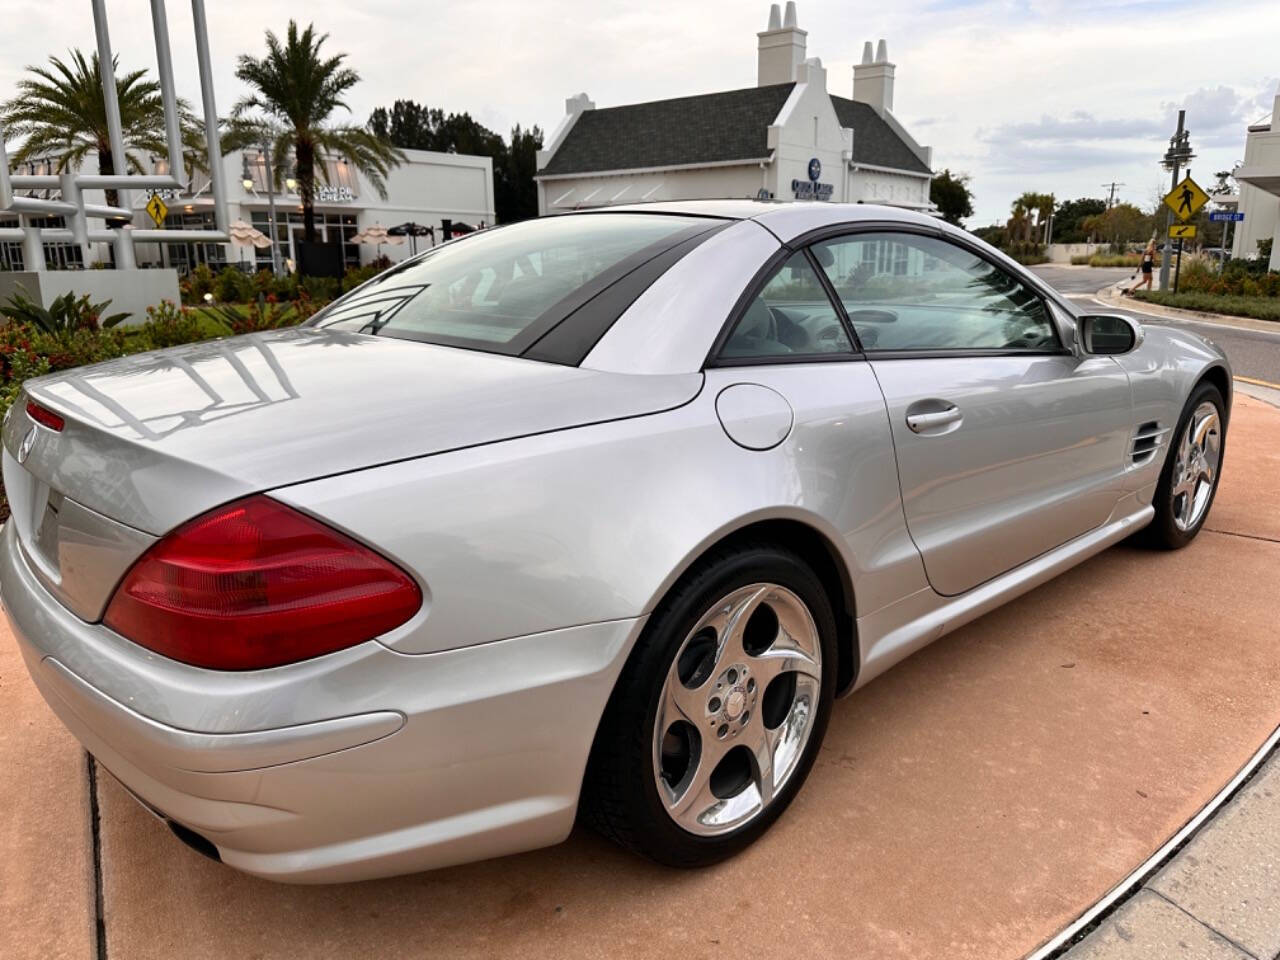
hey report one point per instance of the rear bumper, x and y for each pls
(363, 763)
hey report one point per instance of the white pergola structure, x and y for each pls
(71, 186)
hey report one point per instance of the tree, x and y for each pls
(1029, 213)
(1123, 223)
(1223, 182)
(1069, 218)
(59, 113)
(516, 193)
(298, 90)
(950, 193)
(413, 126)
(995, 235)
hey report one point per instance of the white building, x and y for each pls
(427, 188)
(1259, 179)
(786, 138)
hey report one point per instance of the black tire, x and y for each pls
(1163, 532)
(620, 796)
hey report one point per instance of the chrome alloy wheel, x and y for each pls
(1195, 471)
(737, 709)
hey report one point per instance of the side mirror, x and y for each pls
(1108, 334)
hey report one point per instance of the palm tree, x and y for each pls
(59, 112)
(297, 89)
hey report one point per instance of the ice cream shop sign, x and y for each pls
(327, 193)
(812, 189)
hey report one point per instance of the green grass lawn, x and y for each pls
(1261, 308)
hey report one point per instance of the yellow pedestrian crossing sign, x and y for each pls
(1182, 231)
(157, 209)
(1186, 198)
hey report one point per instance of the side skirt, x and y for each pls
(893, 633)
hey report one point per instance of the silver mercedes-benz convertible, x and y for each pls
(591, 515)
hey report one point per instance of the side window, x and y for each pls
(908, 292)
(791, 315)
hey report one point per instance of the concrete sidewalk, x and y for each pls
(1217, 899)
(971, 803)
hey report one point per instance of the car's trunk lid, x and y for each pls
(155, 439)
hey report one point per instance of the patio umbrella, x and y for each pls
(413, 230)
(377, 234)
(246, 235)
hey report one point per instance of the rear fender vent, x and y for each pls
(1146, 443)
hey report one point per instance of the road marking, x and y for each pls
(1258, 383)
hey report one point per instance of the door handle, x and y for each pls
(932, 420)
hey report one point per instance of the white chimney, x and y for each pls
(873, 78)
(781, 48)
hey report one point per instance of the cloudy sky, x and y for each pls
(1048, 95)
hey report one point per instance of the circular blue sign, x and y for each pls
(815, 169)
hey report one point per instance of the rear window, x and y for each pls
(501, 290)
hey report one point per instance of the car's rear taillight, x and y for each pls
(257, 584)
(44, 417)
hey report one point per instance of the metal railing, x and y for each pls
(71, 186)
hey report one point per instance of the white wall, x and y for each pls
(1261, 208)
(427, 187)
(1261, 218)
(807, 127)
(876, 186)
(700, 183)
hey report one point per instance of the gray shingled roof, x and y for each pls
(874, 141)
(706, 129)
(711, 128)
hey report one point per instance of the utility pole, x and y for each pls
(1179, 152)
(1111, 194)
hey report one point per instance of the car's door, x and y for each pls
(1008, 444)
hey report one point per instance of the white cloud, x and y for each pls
(1053, 95)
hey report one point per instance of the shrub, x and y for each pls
(1261, 308)
(169, 325)
(262, 314)
(65, 313)
(233, 286)
(1114, 260)
(1236, 278)
(358, 275)
(197, 284)
(321, 288)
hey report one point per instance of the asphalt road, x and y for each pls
(1253, 353)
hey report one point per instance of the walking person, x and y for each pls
(1148, 265)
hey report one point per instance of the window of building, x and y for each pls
(330, 228)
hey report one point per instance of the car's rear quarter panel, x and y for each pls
(595, 523)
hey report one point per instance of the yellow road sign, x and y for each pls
(1182, 231)
(157, 209)
(1186, 198)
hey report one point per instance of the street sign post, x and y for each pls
(1186, 199)
(1226, 216)
(157, 210)
(1182, 231)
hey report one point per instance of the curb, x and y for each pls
(1075, 932)
(1108, 295)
